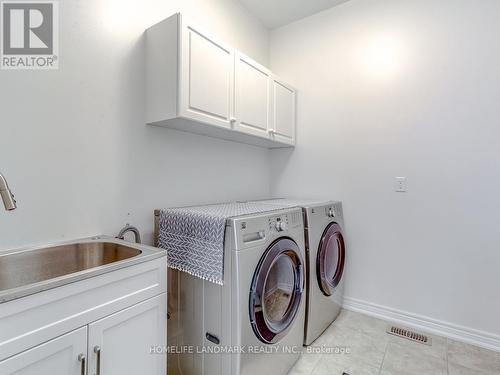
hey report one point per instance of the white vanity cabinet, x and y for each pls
(106, 325)
(200, 84)
(121, 343)
(65, 355)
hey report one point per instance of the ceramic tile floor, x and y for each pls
(373, 352)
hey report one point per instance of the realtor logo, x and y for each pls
(29, 37)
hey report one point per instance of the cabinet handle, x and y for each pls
(82, 359)
(97, 351)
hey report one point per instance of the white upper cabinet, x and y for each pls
(207, 73)
(198, 83)
(252, 97)
(283, 112)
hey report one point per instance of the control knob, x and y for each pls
(281, 226)
(331, 212)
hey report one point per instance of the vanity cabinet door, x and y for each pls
(122, 343)
(252, 97)
(65, 355)
(207, 78)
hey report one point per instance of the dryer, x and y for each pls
(253, 324)
(325, 258)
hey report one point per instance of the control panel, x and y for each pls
(251, 231)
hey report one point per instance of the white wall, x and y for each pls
(73, 143)
(403, 88)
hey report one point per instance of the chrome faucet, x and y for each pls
(8, 198)
(129, 228)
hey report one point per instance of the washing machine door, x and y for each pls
(331, 258)
(277, 290)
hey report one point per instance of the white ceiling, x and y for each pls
(276, 13)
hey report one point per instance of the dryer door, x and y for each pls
(276, 291)
(331, 259)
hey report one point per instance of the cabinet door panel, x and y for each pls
(207, 79)
(56, 357)
(252, 99)
(126, 338)
(284, 112)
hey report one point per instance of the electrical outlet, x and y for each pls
(400, 184)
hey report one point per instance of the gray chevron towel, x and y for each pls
(194, 236)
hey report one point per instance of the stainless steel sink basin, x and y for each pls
(29, 271)
(31, 267)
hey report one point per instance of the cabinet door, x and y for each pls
(252, 97)
(283, 112)
(65, 355)
(122, 343)
(207, 78)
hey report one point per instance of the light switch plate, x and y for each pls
(400, 184)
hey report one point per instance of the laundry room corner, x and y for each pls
(383, 93)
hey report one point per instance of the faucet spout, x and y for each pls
(7, 197)
(129, 228)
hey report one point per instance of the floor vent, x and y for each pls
(410, 335)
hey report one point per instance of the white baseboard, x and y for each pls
(426, 324)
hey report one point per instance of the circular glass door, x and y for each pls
(331, 258)
(276, 291)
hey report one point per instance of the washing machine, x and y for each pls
(325, 259)
(254, 322)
